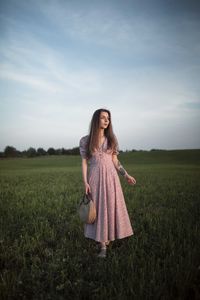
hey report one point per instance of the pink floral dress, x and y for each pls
(112, 220)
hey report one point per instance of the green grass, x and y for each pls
(44, 254)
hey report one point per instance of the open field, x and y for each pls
(44, 254)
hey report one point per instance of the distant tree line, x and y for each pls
(11, 151)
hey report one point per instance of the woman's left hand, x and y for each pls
(131, 180)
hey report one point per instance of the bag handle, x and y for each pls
(86, 198)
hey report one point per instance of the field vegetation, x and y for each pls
(44, 254)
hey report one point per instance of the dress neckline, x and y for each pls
(102, 143)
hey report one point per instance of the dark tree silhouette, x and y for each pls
(51, 151)
(31, 152)
(10, 151)
(41, 151)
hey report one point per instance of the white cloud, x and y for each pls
(24, 78)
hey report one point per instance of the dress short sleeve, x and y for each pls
(82, 146)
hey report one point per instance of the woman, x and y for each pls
(100, 167)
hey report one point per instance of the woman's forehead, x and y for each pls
(104, 113)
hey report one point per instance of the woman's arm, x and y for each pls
(84, 170)
(122, 171)
(84, 175)
(119, 166)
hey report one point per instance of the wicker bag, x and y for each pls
(87, 209)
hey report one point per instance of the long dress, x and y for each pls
(112, 221)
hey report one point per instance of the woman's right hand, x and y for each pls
(87, 188)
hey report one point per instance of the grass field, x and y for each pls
(44, 254)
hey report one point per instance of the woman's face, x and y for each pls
(104, 120)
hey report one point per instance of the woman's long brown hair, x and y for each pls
(93, 140)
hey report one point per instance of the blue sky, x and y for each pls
(62, 60)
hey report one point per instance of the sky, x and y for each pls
(61, 60)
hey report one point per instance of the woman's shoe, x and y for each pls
(102, 253)
(107, 243)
